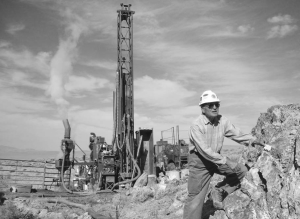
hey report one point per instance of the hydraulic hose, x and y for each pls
(115, 140)
(63, 179)
(138, 151)
(134, 163)
(136, 166)
(114, 120)
(116, 109)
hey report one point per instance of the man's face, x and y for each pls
(210, 110)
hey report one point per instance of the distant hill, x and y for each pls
(232, 147)
(29, 154)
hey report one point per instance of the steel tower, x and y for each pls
(123, 96)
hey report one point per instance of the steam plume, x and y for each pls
(61, 63)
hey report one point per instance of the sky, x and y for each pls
(58, 60)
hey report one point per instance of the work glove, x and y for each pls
(266, 146)
(256, 142)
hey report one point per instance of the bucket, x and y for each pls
(173, 174)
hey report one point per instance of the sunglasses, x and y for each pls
(211, 105)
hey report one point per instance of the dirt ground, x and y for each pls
(159, 201)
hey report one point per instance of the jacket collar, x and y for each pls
(215, 122)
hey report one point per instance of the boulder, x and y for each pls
(271, 188)
(219, 215)
(43, 213)
(142, 194)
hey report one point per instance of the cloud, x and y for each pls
(177, 56)
(196, 66)
(281, 19)
(78, 84)
(244, 29)
(296, 75)
(160, 92)
(151, 23)
(108, 65)
(84, 121)
(281, 31)
(36, 132)
(94, 22)
(4, 44)
(285, 25)
(19, 78)
(148, 24)
(230, 32)
(25, 59)
(19, 102)
(14, 28)
(164, 118)
(44, 133)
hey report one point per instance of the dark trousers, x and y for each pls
(200, 174)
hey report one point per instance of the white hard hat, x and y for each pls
(208, 97)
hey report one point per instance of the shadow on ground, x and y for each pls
(208, 209)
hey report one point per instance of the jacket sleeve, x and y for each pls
(198, 139)
(237, 135)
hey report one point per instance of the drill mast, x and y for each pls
(123, 96)
(126, 161)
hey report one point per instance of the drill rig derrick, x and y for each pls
(120, 167)
(123, 139)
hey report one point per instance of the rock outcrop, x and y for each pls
(271, 189)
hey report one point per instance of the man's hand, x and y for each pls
(266, 146)
(256, 142)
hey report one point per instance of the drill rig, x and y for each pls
(123, 136)
(129, 156)
(133, 156)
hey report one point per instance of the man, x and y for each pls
(206, 135)
(92, 144)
